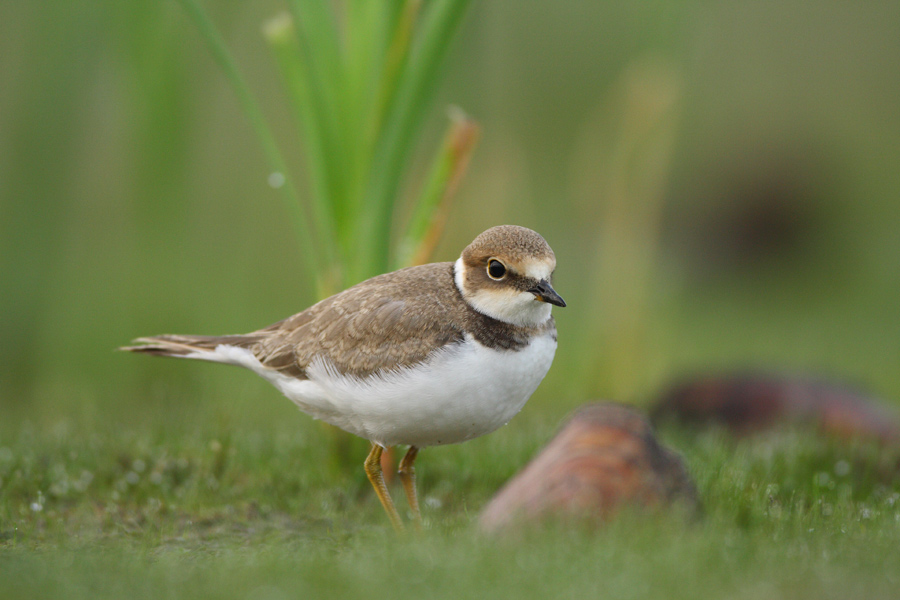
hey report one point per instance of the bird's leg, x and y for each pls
(408, 477)
(373, 470)
(387, 465)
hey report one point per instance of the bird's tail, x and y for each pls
(201, 347)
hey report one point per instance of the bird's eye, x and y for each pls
(496, 269)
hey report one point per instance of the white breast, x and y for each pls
(461, 392)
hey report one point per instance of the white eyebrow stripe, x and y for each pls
(538, 269)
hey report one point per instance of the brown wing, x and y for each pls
(390, 321)
(386, 322)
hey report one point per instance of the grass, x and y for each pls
(225, 511)
(360, 78)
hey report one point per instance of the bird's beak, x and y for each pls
(544, 292)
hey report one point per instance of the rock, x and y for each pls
(604, 458)
(752, 402)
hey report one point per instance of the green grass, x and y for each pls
(235, 511)
(359, 78)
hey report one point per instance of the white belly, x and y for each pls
(460, 393)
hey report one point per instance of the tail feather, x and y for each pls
(185, 345)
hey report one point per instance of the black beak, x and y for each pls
(545, 293)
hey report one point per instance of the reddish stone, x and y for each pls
(747, 403)
(604, 458)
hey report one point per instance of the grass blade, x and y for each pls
(416, 89)
(430, 212)
(321, 51)
(310, 250)
(395, 59)
(281, 36)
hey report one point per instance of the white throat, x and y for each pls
(508, 305)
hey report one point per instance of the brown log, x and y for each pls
(604, 458)
(745, 403)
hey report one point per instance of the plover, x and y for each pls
(423, 356)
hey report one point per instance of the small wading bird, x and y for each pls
(428, 355)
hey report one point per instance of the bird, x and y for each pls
(423, 356)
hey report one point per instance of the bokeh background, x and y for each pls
(719, 181)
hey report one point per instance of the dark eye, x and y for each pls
(495, 269)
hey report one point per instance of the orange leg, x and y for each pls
(408, 477)
(376, 477)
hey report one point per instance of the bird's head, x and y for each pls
(505, 273)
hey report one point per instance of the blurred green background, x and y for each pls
(719, 181)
